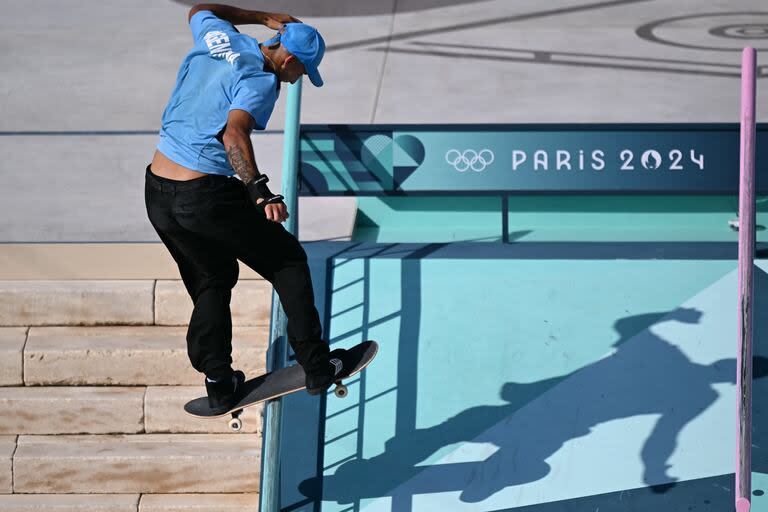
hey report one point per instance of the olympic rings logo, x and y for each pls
(469, 159)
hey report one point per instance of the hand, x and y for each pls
(276, 212)
(276, 21)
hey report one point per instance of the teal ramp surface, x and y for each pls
(534, 377)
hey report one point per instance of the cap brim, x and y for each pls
(314, 77)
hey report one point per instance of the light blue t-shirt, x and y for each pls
(224, 71)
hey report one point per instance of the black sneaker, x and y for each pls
(223, 393)
(326, 374)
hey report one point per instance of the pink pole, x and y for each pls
(746, 283)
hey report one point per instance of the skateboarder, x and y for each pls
(207, 218)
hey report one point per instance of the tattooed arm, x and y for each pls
(237, 143)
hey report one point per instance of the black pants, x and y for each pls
(208, 224)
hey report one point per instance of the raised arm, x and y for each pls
(237, 16)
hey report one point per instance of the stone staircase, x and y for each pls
(93, 377)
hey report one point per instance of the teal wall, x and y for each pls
(548, 218)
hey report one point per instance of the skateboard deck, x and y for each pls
(283, 382)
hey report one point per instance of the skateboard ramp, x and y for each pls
(556, 372)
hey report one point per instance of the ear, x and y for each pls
(288, 59)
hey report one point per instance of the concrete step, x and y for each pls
(25, 303)
(163, 412)
(70, 503)
(7, 449)
(251, 303)
(126, 356)
(12, 340)
(130, 502)
(199, 503)
(71, 410)
(109, 410)
(120, 302)
(144, 463)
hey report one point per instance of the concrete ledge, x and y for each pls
(163, 412)
(25, 303)
(12, 341)
(251, 303)
(7, 447)
(77, 356)
(199, 502)
(147, 463)
(69, 503)
(91, 260)
(60, 410)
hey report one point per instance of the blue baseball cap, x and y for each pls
(306, 44)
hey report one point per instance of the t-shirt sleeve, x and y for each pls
(203, 22)
(257, 96)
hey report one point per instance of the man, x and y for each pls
(208, 219)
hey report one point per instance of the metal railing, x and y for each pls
(269, 495)
(746, 284)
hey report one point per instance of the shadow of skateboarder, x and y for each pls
(644, 375)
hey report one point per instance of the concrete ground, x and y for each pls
(83, 86)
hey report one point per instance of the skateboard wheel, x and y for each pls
(341, 390)
(236, 424)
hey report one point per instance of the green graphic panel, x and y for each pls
(381, 160)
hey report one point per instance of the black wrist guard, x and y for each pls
(258, 189)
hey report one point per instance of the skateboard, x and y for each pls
(283, 382)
